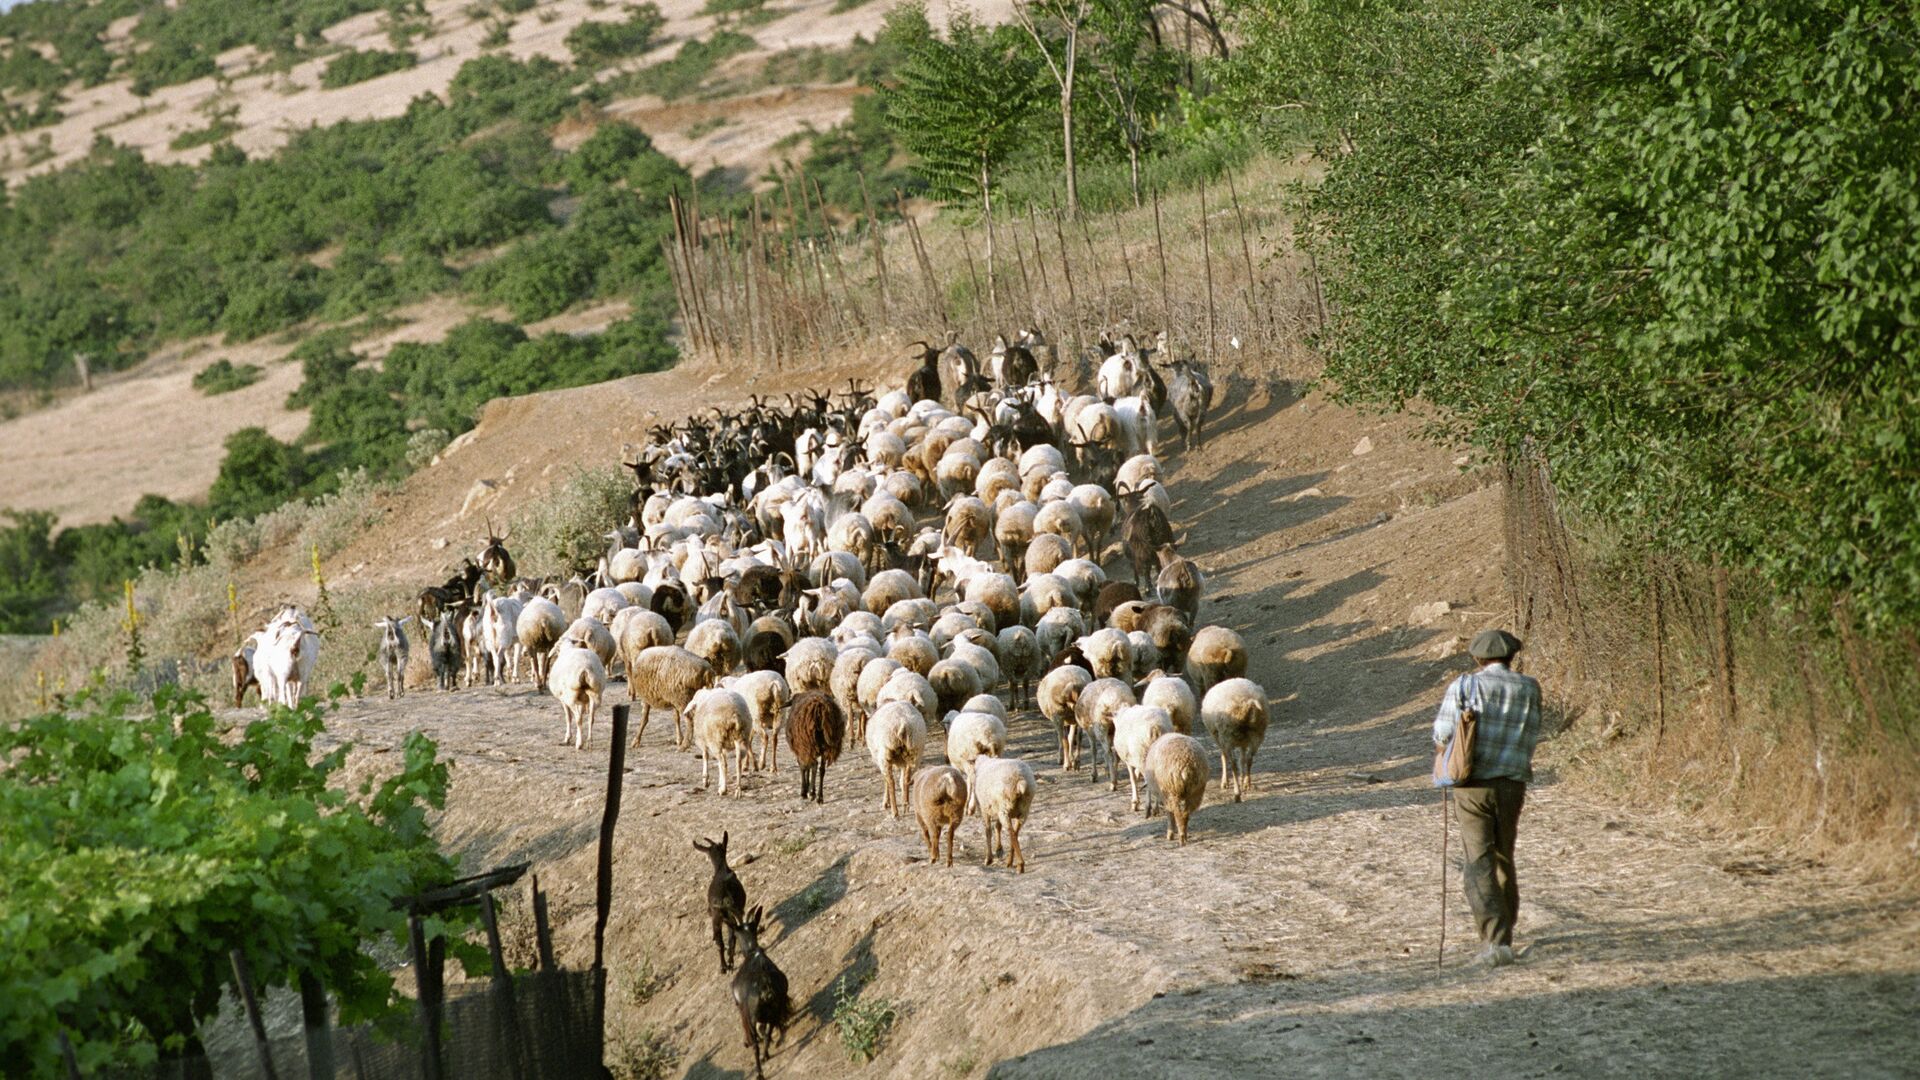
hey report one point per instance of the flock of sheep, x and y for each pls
(881, 566)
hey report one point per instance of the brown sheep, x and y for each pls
(816, 729)
(939, 803)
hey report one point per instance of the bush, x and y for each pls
(425, 445)
(564, 532)
(275, 299)
(258, 473)
(683, 74)
(354, 67)
(596, 44)
(29, 572)
(212, 133)
(863, 1022)
(142, 849)
(224, 376)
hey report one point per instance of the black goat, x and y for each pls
(760, 993)
(726, 899)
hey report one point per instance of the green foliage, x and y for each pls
(565, 531)
(114, 253)
(223, 376)
(596, 44)
(258, 473)
(1667, 248)
(687, 69)
(738, 12)
(214, 132)
(959, 103)
(29, 572)
(139, 850)
(862, 1021)
(354, 67)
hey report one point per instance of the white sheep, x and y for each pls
(499, 628)
(1176, 781)
(1134, 730)
(1099, 703)
(971, 735)
(911, 687)
(1174, 695)
(667, 677)
(538, 629)
(1109, 653)
(1235, 714)
(767, 696)
(810, 665)
(721, 721)
(1003, 790)
(577, 678)
(1059, 693)
(1217, 653)
(896, 736)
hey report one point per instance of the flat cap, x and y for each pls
(1493, 645)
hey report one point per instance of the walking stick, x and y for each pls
(1446, 796)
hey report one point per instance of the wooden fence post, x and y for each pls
(879, 252)
(1160, 246)
(243, 979)
(313, 1009)
(506, 1009)
(1206, 254)
(542, 932)
(426, 978)
(603, 882)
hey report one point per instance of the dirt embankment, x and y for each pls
(1296, 931)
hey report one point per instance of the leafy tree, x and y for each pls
(1660, 247)
(958, 103)
(258, 473)
(141, 848)
(29, 581)
(1051, 24)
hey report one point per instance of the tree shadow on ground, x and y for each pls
(1836, 1025)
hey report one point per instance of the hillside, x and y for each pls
(263, 102)
(1300, 923)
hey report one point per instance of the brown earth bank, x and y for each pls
(1295, 933)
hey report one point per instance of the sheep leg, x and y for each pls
(646, 713)
(992, 847)
(1133, 789)
(953, 838)
(586, 735)
(1013, 832)
(773, 749)
(703, 771)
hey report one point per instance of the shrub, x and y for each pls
(425, 445)
(354, 67)
(598, 43)
(224, 376)
(863, 1022)
(564, 532)
(212, 133)
(258, 473)
(29, 579)
(688, 68)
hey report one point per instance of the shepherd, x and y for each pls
(1495, 713)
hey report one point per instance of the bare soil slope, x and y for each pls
(1295, 933)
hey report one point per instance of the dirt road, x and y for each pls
(1296, 933)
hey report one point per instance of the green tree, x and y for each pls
(258, 473)
(958, 103)
(29, 578)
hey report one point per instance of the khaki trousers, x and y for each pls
(1489, 815)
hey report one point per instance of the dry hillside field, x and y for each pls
(1295, 933)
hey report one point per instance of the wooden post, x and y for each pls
(84, 368)
(313, 1009)
(966, 248)
(879, 252)
(603, 882)
(1206, 254)
(1246, 251)
(67, 1058)
(1066, 264)
(243, 980)
(1100, 279)
(1133, 292)
(542, 932)
(427, 988)
(506, 1009)
(1723, 631)
(1026, 285)
(1659, 662)
(1160, 246)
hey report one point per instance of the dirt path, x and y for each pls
(1296, 932)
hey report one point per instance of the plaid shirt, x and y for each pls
(1509, 707)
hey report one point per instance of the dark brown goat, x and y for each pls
(1145, 531)
(1112, 595)
(760, 994)
(815, 732)
(726, 899)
